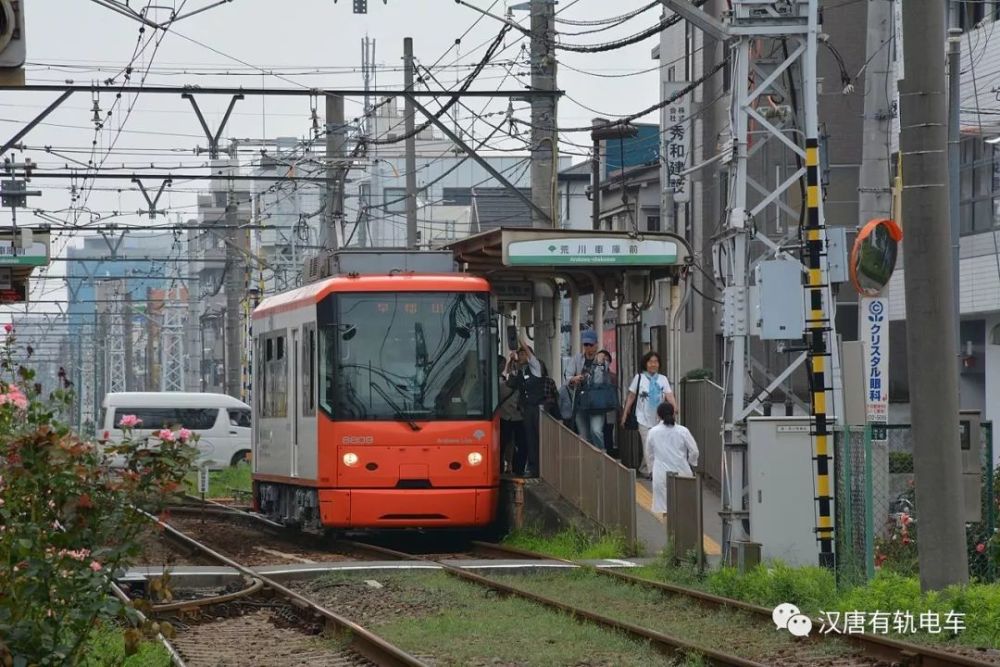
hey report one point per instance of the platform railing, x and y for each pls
(596, 484)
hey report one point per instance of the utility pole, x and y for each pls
(336, 140)
(411, 148)
(234, 289)
(874, 202)
(874, 193)
(954, 171)
(544, 122)
(930, 336)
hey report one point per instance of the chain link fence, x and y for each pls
(877, 515)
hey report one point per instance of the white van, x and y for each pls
(221, 422)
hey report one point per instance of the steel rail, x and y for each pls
(175, 658)
(670, 645)
(875, 646)
(362, 640)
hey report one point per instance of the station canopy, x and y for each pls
(522, 254)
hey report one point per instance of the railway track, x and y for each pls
(868, 649)
(226, 629)
(882, 648)
(874, 649)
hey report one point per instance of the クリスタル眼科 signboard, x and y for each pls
(591, 251)
(875, 337)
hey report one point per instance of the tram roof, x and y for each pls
(313, 293)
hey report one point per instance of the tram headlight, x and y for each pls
(350, 459)
(475, 458)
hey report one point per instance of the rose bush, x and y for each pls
(67, 521)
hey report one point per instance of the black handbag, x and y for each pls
(631, 423)
(599, 398)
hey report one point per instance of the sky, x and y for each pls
(263, 43)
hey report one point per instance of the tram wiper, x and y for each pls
(398, 412)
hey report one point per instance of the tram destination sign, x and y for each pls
(591, 251)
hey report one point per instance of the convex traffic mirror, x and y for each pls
(873, 257)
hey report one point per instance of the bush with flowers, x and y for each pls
(67, 521)
(898, 551)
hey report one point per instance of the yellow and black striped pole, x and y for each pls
(817, 328)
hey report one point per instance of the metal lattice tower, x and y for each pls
(792, 27)
(116, 338)
(172, 332)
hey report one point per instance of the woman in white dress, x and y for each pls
(672, 449)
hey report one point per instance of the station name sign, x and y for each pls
(36, 254)
(591, 251)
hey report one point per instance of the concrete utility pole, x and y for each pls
(954, 170)
(336, 141)
(875, 197)
(544, 134)
(411, 148)
(930, 335)
(234, 289)
(874, 193)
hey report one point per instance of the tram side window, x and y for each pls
(308, 370)
(275, 377)
(260, 371)
(325, 379)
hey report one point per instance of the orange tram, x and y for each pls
(374, 403)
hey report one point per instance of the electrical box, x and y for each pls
(837, 255)
(636, 287)
(734, 311)
(782, 483)
(780, 311)
(970, 440)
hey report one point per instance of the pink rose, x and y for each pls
(9, 328)
(184, 435)
(980, 547)
(129, 421)
(166, 435)
(16, 398)
(95, 566)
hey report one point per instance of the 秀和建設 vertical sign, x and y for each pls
(676, 136)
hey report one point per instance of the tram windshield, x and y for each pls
(406, 356)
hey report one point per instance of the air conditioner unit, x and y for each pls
(12, 42)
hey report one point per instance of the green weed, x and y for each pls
(812, 588)
(570, 544)
(106, 646)
(225, 483)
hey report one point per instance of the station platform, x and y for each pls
(651, 528)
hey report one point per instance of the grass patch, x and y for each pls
(433, 614)
(106, 646)
(725, 630)
(222, 483)
(570, 544)
(814, 590)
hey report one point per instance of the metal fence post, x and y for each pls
(869, 514)
(842, 470)
(991, 506)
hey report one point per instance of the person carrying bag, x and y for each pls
(596, 396)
